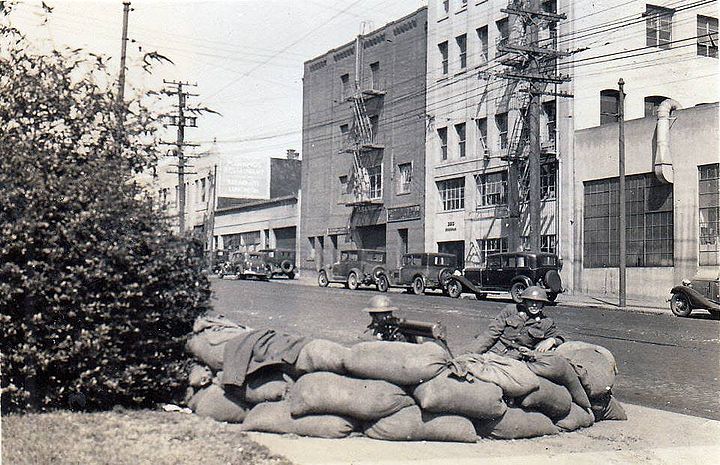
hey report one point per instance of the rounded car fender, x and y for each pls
(379, 270)
(523, 279)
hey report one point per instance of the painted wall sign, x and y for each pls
(411, 212)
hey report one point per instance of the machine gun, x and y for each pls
(388, 327)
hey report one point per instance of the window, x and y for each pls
(550, 116)
(375, 175)
(374, 125)
(547, 244)
(375, 75)
(462, 50)
(492, 189)
(344, 188)
(652, 103)
(446, 6)
(549, 6)
(344, 129)
(460, 130)
(491, 246)
(443, 47)
(482, 34)
(452, 193)
(503, 31)
(404, 178)
(649, 227)
(548, 180)
(442, 134)
(344, 86)
(501, 122)
(481, 124)
(609, 101)
(709, 204)
(658, 26)
(203, 187)
(707, 36)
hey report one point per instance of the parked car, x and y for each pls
(419, 271)
(232, 265)
(703, 291)
(217, 258)
(355, 267)
(511, 272)
(280, 262)
(247, 264)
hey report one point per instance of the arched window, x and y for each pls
(652, 103)
(609, 99)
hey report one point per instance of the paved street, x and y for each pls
(665, 362)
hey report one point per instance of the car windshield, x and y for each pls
(548, 260)
(445, 261)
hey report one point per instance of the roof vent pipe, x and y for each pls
(663, 167)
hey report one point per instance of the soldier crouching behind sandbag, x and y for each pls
(520, 328)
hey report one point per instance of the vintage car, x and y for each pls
(419, 271)
(247, 264)
(703, 291)
(355, 267)
(280, 261)
(511, 272)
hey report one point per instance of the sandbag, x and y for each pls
(219, 405)
(210, 334)
(275, 417)
(516, 424)
(513, 376)
(322, 355)
(552, 400)
(400, 363)
(266, 385)
(577, 418)
(446, 393)
(412, 424)
(558, 370)
(594, 365)
(330, 393)
(200, 376)
(607, 407)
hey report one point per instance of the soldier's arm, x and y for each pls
(483, 342)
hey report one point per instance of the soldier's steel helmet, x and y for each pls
(380, 304)
(535, 293)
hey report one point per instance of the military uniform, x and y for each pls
(514, 328)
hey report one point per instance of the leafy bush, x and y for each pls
(96, 293)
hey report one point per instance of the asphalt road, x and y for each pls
(665, 362)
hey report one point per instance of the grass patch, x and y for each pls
(127, 438)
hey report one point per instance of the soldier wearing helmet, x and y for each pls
(520, 328)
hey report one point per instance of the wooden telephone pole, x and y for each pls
(123, 52)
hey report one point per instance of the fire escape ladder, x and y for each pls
(365, 135)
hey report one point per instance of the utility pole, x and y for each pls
(529, 63)
(181, 121)
(123, 53)
(210, 234)
(621, 169)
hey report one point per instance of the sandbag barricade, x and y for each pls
(412, 424)
(400, 363)
(401, 391)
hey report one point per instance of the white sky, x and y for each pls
(245, 55)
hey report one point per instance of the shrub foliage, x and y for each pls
(96, 294)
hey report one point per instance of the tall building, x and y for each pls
(364, 145)
(664, 50)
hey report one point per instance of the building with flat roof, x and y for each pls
(364, 145)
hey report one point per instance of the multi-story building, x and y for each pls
(364, 145)
(667, 49)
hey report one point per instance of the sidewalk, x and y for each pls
(656, 306)
(649, 436)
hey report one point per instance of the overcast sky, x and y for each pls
(246, 56)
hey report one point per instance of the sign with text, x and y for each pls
(411, 212)
(244, 176)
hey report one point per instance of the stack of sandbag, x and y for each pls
(411, 392)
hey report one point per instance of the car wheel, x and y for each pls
(454, 289)
(323, 279)
(382, 283)
(552, 296)
(516, 290)
(680, 305)
(291, 275)
(220, 275)
(418, 285)
(352, 281)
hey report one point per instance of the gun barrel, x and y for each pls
(422, 328)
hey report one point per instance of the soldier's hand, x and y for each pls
(546, 345)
